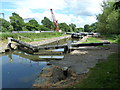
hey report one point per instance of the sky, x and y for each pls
(79, 12)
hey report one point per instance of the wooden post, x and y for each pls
(69, 45)
(57, 42)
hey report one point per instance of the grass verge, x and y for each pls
(30, 36)
(103, 75)
(112, 38)
(92, 40)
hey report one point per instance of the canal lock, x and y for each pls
(38, 58)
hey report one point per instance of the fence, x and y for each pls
(30, 31)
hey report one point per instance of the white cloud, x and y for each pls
(82, 11)
(84, 7)
(41, 4)
(8, 0)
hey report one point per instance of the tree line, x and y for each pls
(108, 22)
(17, 23)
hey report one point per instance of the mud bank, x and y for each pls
(55, 77)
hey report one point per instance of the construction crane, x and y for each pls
(54, 21)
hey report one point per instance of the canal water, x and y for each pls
(20, 70)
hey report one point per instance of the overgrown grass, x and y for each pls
(92, 40)
(103, 75)
(113, 38)
(110, 38)
(32, 36)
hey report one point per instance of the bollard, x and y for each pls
(69, 45)
(57, 42)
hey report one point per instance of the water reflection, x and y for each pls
(19, 72)
(10, 56)
(36, 57)
(19, 69)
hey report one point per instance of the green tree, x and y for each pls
(102, 18)
(64, 27)
(116, 5)
(108, 21)
(71, 30)
(93, 27)
(73, 26)
(17, 22)
(32, 25)
(4, 25)
(47, 23)
(86, 28)
(80, 29)
(42, 28)
(112, 23)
